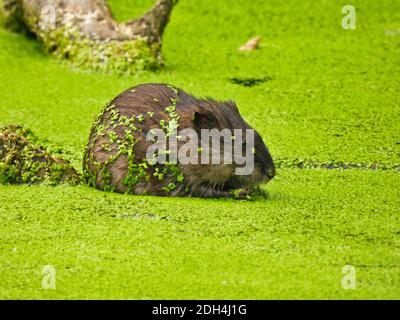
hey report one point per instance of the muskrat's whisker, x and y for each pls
(223, 185)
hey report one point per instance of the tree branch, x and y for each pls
(152, 24)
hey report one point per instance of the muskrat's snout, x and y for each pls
(264, 159)
(270, 171)
(267, 166)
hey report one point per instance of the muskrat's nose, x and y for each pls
(271, 173)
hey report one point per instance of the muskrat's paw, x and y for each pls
(241, 194)
(251, 193)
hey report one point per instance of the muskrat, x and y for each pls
(115, 157)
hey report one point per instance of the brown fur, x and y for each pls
(205, 180)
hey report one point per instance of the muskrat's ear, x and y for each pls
(231, 104)
(204, 119)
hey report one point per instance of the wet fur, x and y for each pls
(202, 180)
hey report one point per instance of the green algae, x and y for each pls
(24, 161)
